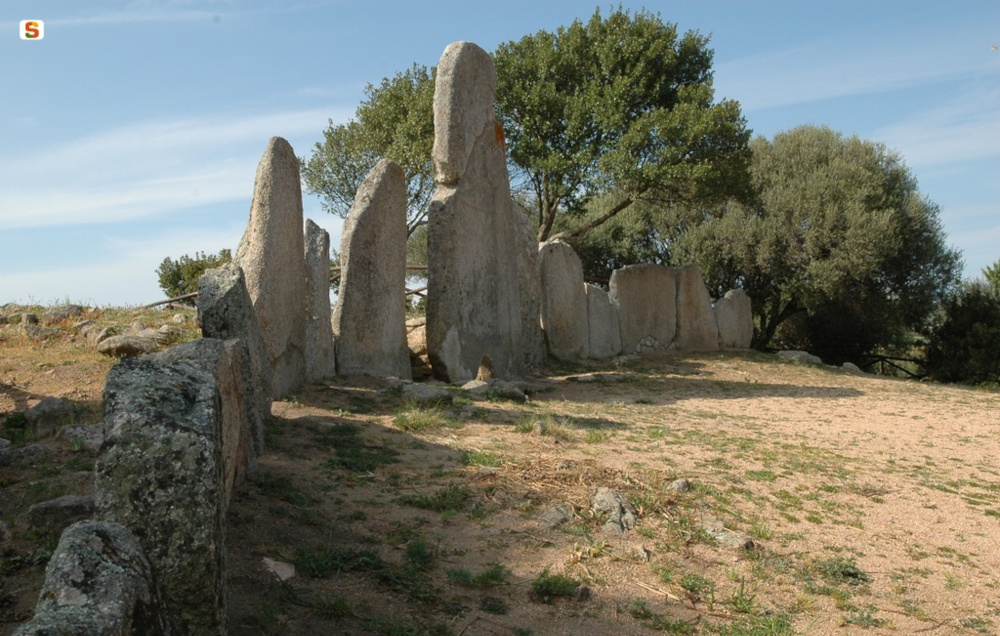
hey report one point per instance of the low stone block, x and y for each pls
(604, 332)
(734, 316)
(646, 298)
(56, 514)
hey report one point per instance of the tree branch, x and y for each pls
(583, 229)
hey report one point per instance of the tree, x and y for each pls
(180, 277)
(839, 238)
(992, 276)
(396, 120)
(964, 346)
(619, 109)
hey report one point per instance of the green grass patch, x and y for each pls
(482, 458)
(494, 575)
(450, 498)
(419, 420)
(547, 587)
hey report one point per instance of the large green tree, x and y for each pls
(395, 120)
(616, 110)
(839, 238)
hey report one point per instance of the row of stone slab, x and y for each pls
(649, 308)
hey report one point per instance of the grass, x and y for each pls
(547, 587)
(454, 498)
(493, 575)
(351, 452)
(415, 419)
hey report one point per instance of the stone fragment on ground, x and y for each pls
(88, 438)
(127, 346)
(495, 389)
(37, 333)
(619, 512)
(554, 516)
(45, 418)
(56, 514)
(26, 454)
(426, 394)
(800, 357)
(60, 313)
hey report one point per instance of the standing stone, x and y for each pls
(225, 311)
(271, 254)
(321, 361)
(734, 316)
(604, 333)
(564, 302)
(100, 583)
(646, 298)
(369, 322)
(696, 328)
(160, 475)
(237, 412)
(484, 294)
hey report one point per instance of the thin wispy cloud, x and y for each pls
(145, 168)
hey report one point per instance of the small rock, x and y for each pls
(680, 485)
(495, 389)
(90, 438)
(284, 571)
(581, 594)
(29, 319)
(4, 443)
(4, 533)
(63, 312)
(850, 367)
(47, 416)
(621, 514)
(127, 345)
(555, 516)
(34, 332)
(800, 357)
(104, 334)
(587, 377)
(426, 394)
(178, 319)
(57, 514)
(725, 536)
(27, 453)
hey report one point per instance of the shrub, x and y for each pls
(965, 344)
(181, 276)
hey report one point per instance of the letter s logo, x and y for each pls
(32, 29)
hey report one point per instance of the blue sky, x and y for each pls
(132, 131)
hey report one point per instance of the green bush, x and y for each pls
(965, 344)
(181, 276)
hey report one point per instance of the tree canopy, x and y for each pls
(395, 120)
(617, 109)
(839, 237)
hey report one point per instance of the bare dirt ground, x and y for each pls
(771, 498)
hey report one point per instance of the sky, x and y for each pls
(132, 130)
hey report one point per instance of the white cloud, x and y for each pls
(141, 169)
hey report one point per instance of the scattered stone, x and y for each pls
(179, 319)
(369, 321)
(160, 474)
(29, 319)
(45, 418)
(734, 317)
(104, 334)
(55, 515)
(321, 359)
(646, 298)
(850, 367)
(680, 485)
(272, 255)
(426, 394)
(485, 371)
(225, 312)
(484, 293)
(36, 333)
(100, 583)
(604, 333)
(26, 454)
(284, 571)
(696, 328)
(60, 313)
(620, 513)
(564, 302)
(127, 346)
(586, 377)
(555, 516)
(800, 357)
(495, 389)
(725, 536)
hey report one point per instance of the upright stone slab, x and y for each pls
(271, 254)
(222, 360)
(734, 316)
(483, 288)
(564, 302)
(99, 583)
(160, 475)
(369, 322)
(604, 332)
(225, 311)
(321, 361)
(646, 298)
(696, 328)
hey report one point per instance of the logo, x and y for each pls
(32, 29)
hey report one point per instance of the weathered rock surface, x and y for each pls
(321, 360)
(36, 333)
(369, 321)
(646, 298)
(696, 328)
(850, 367)
(619, 512)
(98, 583)
(426, 394)
(484, 294)
(127, 345)
(225, 311)
(495, 389)
(88, 438)
(56, 514)
(734, 317)
(160, 475)
(564, 302)
(45, 418)
(604, 335)
(27, 454)
(60, 313)
(800, 357)
(272, 256)
(237, 411)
